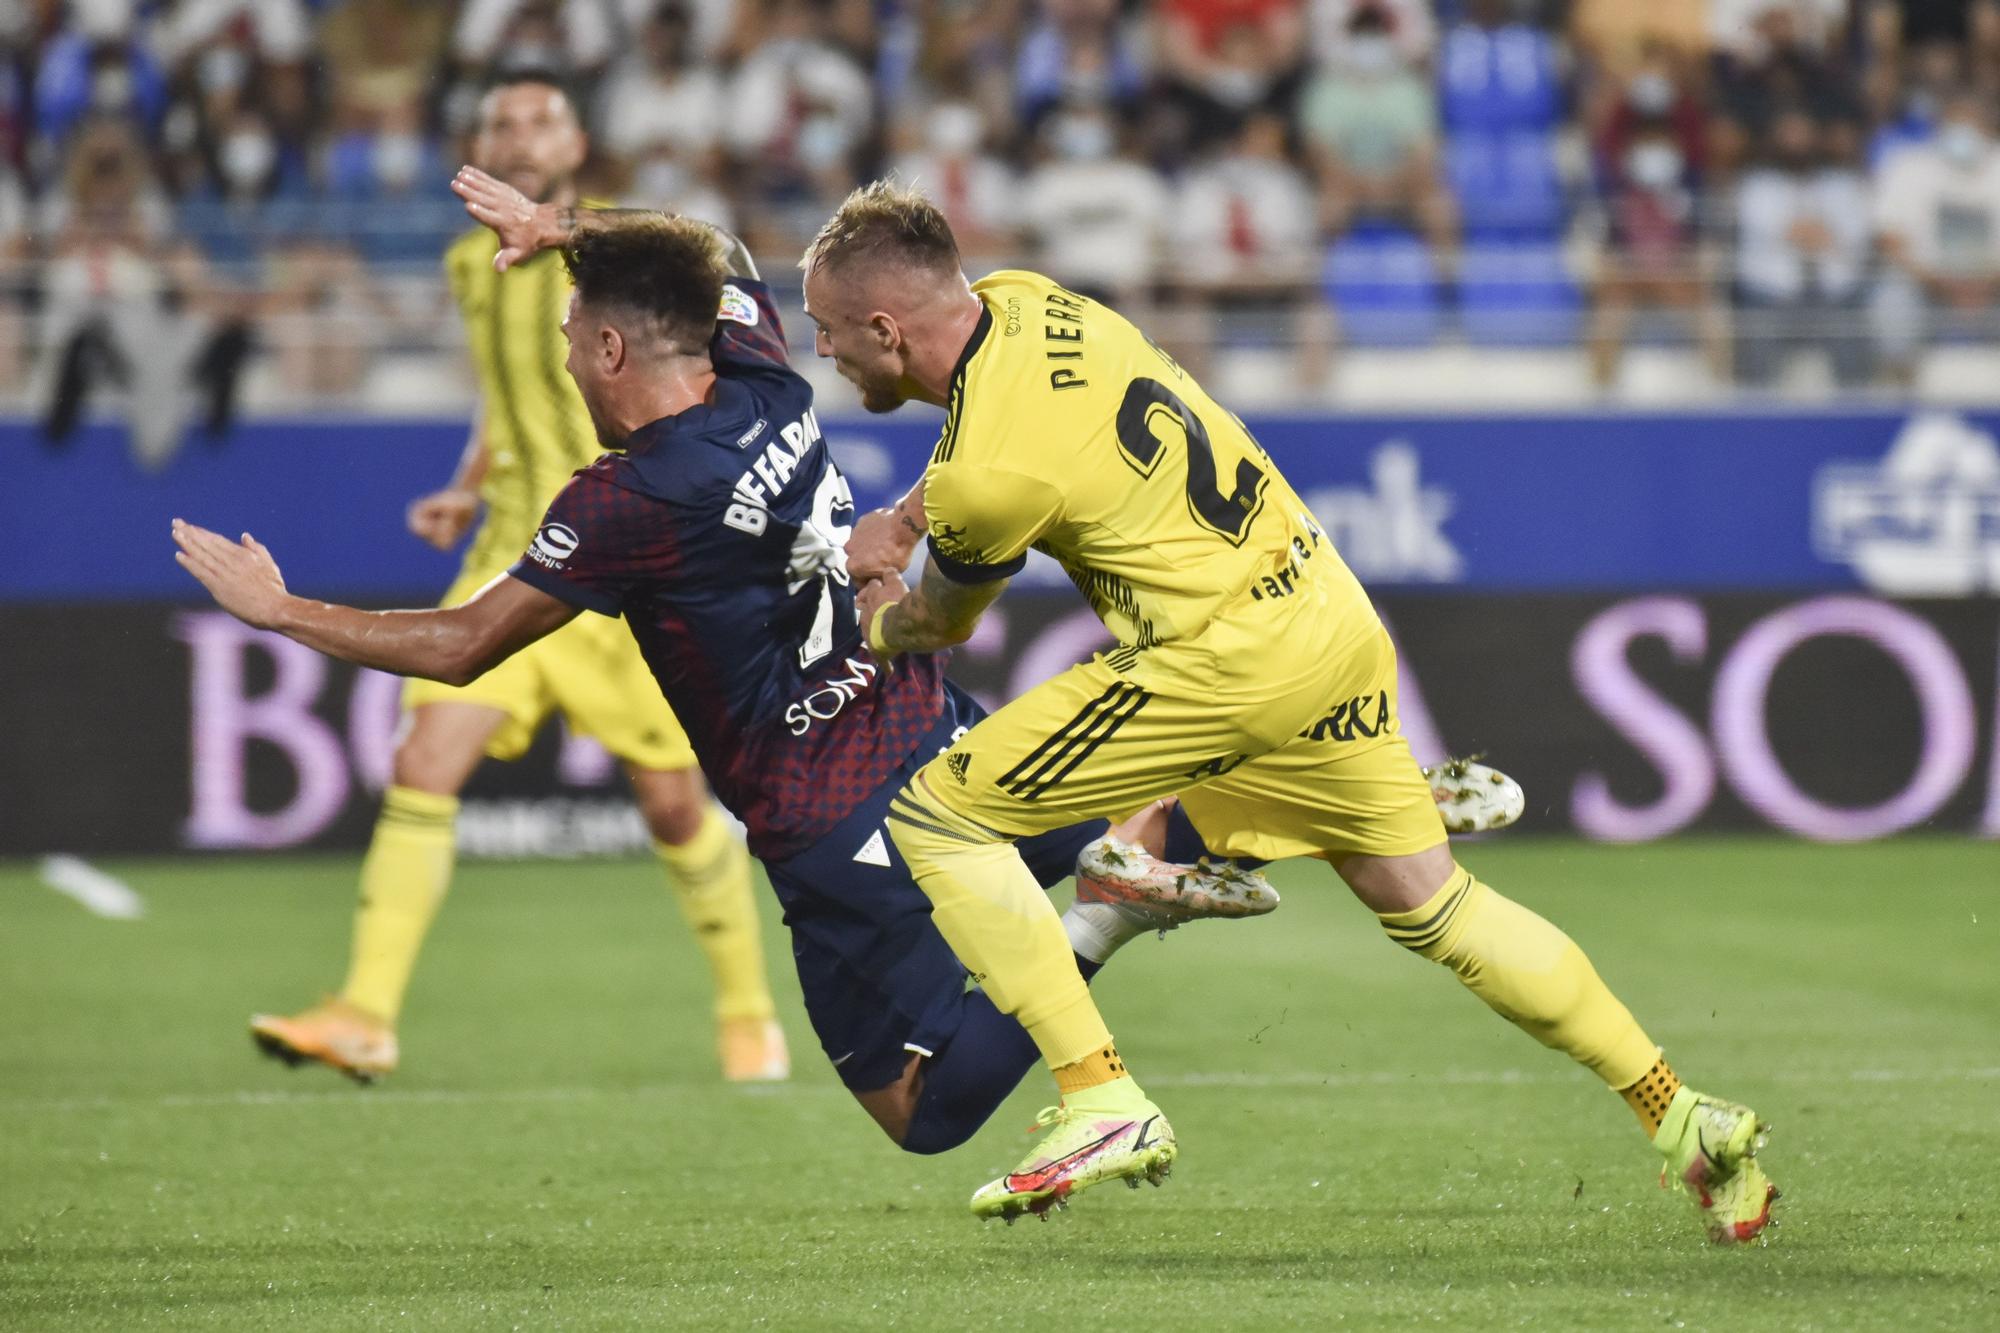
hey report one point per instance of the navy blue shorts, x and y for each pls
(879, 981)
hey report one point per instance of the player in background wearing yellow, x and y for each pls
(532, 434)
(1252, 676)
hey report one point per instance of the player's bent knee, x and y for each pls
(673, 802)
(1390, 884)
(894, 1107)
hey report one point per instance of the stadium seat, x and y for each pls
(1383, 283)
(1507, 185)
(1518, 295)
(1503, 81)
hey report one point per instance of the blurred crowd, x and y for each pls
(183, 182)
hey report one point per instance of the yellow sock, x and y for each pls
(998, 921)
(403, 880)
(1094, 1070)
(1529, 973)
(710, 877)
(1650, 1097)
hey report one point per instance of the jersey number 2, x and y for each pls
(1139, 418)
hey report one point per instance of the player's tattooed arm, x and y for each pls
(525, 227)
(883, 540)
(456, 644)
(941, 613)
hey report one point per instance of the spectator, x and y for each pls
(1371, 130)
(1741, 28)
(1076, 51)
(800, 108)
(1911, 92)
(1613, 38)
(1221, 59)
(122, 305)
(1802, 252)
(975, 189)
(96, 71)
(1655, 98)
(279, 29)
(1408, 22)
(1778, 68)
(661, 111)
(382, 55)
(1937, 213)
(1245, 232)
(16, 275)
(561, 35)
(390, 154)
(1244, 220)
(1651, 257)
(1093, 211)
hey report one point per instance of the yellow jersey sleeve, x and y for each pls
(983, 519)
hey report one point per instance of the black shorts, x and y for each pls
(879, 981)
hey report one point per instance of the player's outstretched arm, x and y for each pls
(454, 644)
(941, 613)
(525, 227)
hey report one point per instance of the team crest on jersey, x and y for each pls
(554, 544)
(737, 307)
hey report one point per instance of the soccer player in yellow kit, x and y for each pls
(1252, 676)
(533, 433)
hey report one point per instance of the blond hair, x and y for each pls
(885, 222)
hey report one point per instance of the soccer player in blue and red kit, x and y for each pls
(716, 527)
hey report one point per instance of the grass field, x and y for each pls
(1362, 1143)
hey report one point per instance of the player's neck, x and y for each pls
(672, 389)
(929, 380)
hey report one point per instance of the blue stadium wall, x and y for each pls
(1658, 622)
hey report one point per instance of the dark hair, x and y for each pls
(663, 272)
(523, 76)
(884, 221)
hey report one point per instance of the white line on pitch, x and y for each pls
(501, 1096)
(99, 893)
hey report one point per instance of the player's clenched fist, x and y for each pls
(872, 597)
(242, 577)
(442, 517)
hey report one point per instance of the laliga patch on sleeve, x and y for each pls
(737, 306)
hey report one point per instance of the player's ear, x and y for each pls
(888, 333)
(611, 348)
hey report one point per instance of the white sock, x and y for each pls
(1098, 930)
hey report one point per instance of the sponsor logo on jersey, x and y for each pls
(1364, 715)
(737, 306)
(957, 764)
(826, 701)
(874, 852)
(554, 544)
(1923, 520)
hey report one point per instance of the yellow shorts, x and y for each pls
(591, 670)
(1278, 731)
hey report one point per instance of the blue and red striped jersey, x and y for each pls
(719, 534)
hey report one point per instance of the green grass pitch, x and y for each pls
(1362, 1143)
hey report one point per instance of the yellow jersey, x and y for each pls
(537, 430)
(1069, 432)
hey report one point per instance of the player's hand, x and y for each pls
(880, 545)
(241, 576)
(872, 595)
(442, 517)
(523, 226)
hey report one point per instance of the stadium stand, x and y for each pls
(1648, 202)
